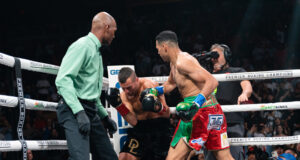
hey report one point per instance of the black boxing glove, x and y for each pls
(112, 95)
(109, 124)
(149, 100)
(83, 122)
(144, 93)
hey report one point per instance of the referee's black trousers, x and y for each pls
(80, 146)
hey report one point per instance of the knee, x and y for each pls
(225, 157)
(170, 157)
(174, 157)
(127, 156)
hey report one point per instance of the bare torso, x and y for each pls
(186, 86)
(136, 105)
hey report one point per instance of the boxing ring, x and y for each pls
(119, 137)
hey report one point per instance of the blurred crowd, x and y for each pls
(260, 35)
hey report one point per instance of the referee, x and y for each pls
(79, 83)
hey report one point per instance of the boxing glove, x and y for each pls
(186, 111)
(159, 90)
(112, 95)
(149, 100)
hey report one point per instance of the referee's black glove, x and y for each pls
(110, 125)
(83, 122)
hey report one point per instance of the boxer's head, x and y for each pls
(104, 27)
(129, 82)
(165, 41)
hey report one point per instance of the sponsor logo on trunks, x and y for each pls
(272, 107)
(215, 121)
(198, 141)
(114, 72)
(224, 140)
(133, 144)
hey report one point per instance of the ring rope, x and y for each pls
(11, 101)
(53, 69)
(34, 145)
(6, 146)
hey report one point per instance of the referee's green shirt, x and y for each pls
(81, 73)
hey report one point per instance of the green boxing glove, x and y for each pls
(186, 111)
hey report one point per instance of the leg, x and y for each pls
(209, 155)
(101, 148)
(223, 154)
(236, 130)
(127, 156)
(217, 141)
(77, 143)
(237, 152)
(181, 151)
(132, 149)
(191, 155)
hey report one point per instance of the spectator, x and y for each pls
(298, 150)
(29, 155)
(286, 156)
(291, 151)
(279, 131)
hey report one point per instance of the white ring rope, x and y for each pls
(29, 65)
(33, 65)
(6, 146)
(264, 141)
(34, 145)
(53, 69)
(10, 101)
(259, 75)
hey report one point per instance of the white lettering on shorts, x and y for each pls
(198, 141)
(215, 121)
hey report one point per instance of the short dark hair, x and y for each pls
(167, 35)
(289, 148)
(125, 73)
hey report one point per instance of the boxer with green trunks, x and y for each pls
(202, 119)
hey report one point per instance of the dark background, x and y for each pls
(262, 34)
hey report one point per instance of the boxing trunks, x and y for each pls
(208, 127)
(149, 139)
